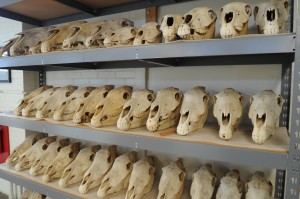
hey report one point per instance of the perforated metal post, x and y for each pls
(42, 76)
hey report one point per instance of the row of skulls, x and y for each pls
(197, 24)
(93, 166)
(106, 105)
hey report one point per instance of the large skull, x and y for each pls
(141, 179)
(136, 110)
(27, 159)
(234, 19)
(169, 27)
(171, 183)
(149, 33)
(164, 111)
(194, 110)
(228, 108)
(271, 17)
(264, 112)
(53, 103)
(45, 157)
(122, 36)
(204, 181)
(118, 177)
(68, 108)
(258, 187)
(199, 23)
(231, 186)
(29, 141)
(65, 156)
(102, 163)
(6, 47)
(109, 109)
(86, 109)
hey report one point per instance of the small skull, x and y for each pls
(231, 186)
(169, 27)
(149, 33)
(258, 187)
(122, 36)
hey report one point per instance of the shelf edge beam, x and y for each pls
(19, 17)
(79, 6)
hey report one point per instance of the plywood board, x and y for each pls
(103, 4)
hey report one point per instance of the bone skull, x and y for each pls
(86, 109)
(26, 194)
(171, 183)
(203, 184)
(65, 156)
(54, 102)
(36, 195)
(141, 179)
(271, 17)
(194, 110)
(231, 186)
(29, 141)
(165, 109)
(169, 27)
(6, 47)
(135, 112)
(122, 36)
(234, 19)
(264, 112)
(102, 163)
(199, 23)
(149, 33)
(108, 110)
(118, 177)
(258, 187)
(228, 108)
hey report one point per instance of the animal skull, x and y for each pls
(169, 27)
(231, 186)
(29, 141)
(65, 156)
(194, 110)
(258, 187)
(141, 179)
(149, 33)
(164, 111)
(118, 177)
(86, 109)
(102, 163)
(8, 45)
(199, 23)
(172, 181)
(271, 17)
(26, 194)
(122, 36)
(53, 103)
(264, 112)
(234, 19)
(36, 195)
(136, 110)
(228, 108)
(108, 110)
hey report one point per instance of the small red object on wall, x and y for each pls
(4, 143)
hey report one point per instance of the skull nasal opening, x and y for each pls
(228, 17)
(170, 21)
(271, 15)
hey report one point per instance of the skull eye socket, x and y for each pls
(188, 18)
(72, 155)
(154, 111)
(68, 94)
(105, 94)
(228, 17)
(150, 97)
(140, 33)
(170, 21)
(45, 146)
(126, 111)
(92, 157)
(86, 94)
(126, 96)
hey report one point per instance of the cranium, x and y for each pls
(258, 187)
(36, 195)
(102, 163)
(26, 194)
(55, 101)
(149, 33)
(136, 110)
(97, 39)
(171, 183)
(122, 36)
(228, 108)
(74, 172)
(141, 179)
(199, 23)
(204, 181)
(45, 157)
(68, 108)
(6, 47)
(264, 112)
(164, 111)
(65, 156)
(118, 177)
(169, 27)
(24, 146)
(109, 109)
(231, 186)
(194, 110)
(86, 109)
(27, 158)
(234, 19)
(24, 102)
(271, 16)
